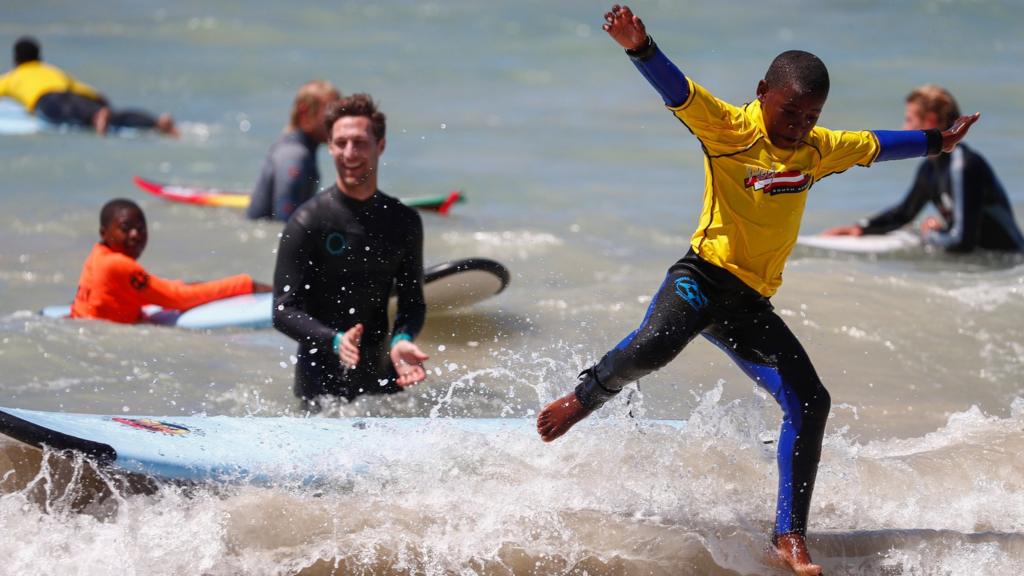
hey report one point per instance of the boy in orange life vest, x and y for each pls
(115, 287)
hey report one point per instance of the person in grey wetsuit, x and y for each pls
(973, 206)
(289, 175)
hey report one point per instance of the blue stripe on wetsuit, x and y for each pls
(792, 424)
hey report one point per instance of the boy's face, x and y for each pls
(789, 114)
(126, 233)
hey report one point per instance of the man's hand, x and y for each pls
(408, 361)
(851, 230)
(953, 136)
(625, 28)
(348, 351)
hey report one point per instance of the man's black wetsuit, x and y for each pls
(336, 265)
(965, 190)
(288, 178)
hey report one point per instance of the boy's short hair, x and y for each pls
(357, 105)
(26, 49)
(937, 100)
(111, 208)
(309, 96)
(802, 70)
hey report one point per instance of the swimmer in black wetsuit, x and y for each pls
(57, 97)
(975, 211)
(339, 256)
(289, 175)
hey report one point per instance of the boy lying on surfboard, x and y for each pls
(114, 286)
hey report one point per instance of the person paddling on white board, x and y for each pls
(339, 256)
(57, 97)
(290, 175)
(760, 161)
(974, 211)
(115, 287)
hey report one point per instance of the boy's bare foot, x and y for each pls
(101, 120)
(165, 125)
(556, 418)
(792, 550)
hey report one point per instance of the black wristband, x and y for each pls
(934, 137)
(644, 52)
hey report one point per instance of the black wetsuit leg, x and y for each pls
(678, 312)
(132, 118)
(767, 351)
(67, 108)
(698, 297)
(77, 110)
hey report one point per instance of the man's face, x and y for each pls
(126, 233)
(789, 114)
(356, 151)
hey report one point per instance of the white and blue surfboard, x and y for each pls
(895, 241)
(447, 286)
(15, 120)
(259, 450)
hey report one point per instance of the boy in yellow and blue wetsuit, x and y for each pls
(59, 98)
(759, 160)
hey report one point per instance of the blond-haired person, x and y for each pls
(290, 176)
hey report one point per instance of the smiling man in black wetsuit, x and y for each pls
(340, 254)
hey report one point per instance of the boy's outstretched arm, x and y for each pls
(903, 144)
(629, 32)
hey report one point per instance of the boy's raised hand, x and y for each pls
(956, 133)
(625, 28)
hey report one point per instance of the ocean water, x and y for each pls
(587, 190)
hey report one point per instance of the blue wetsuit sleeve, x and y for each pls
(666, 78)
(903, 144)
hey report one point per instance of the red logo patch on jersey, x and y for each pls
(774, 183)
(139, 280)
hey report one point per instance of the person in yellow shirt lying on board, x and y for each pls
(59, 98)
